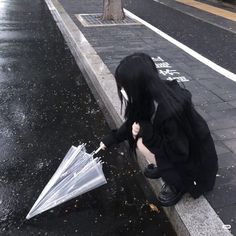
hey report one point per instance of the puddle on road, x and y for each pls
(45, 107)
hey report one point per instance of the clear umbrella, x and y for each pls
(78, 173)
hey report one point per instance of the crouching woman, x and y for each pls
(161, 121)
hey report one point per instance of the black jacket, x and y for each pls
(186, 146)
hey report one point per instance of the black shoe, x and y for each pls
(169, 195)
(152, 172)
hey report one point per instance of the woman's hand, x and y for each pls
(135, 129)
(102, 146)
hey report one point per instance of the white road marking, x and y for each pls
(211, 22)
(196, 55)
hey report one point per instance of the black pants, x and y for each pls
(171, 175)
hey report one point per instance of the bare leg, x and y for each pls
(150, 157)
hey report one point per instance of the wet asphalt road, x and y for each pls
(45, 107)
(216, 44)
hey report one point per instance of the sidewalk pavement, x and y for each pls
(99, 49)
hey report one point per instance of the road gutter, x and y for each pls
(188, 217)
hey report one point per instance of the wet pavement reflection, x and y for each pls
(45, 107)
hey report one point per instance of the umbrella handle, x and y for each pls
(96, 151)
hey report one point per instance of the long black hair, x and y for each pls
(138, 76)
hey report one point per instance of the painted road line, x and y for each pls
(204, 19)
(185, 48)
(211, 9)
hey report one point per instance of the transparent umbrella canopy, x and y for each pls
(78, 173)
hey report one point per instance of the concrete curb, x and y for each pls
(188, 217)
